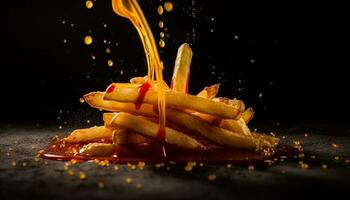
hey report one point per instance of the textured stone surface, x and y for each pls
(48, 180)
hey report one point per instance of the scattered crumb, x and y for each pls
(141, 165)
(128, 180)
(251, 167)
(70, 172)
(304, 166)
(211, 177)
(100, 184)
(335, 145)
(82, 176)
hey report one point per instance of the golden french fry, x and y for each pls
(150, 129)
(209, 92)
(238, 104)
(212, 132)
(124, 136)
(120, 136)
(174, 99)
(98, 149)
(138, 80)
(233, 125)
(95, 100)
(141, 80)
(248, 115)
(209, 118)
(238, 126)
(181, 72)
(88, 134)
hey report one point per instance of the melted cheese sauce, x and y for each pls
(130, 9)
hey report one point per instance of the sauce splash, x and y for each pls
(152, 153)
(131, 9)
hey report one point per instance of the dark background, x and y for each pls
(299, 53)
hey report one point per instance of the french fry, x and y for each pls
(175, 99)
(181, 73)
(95, 100)
(209, 92)
(238, 126)
(231, 102)
(98, 149)
(124, 136)
(248, 115)
(138, 80)
(150, 129)
(98, 102)
(212, 132)
(88, 134)
(141, 80)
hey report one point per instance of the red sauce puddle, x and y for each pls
(151, 153)
(142, 92)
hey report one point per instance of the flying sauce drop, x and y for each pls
(161, 24)
(88, 40)
(168, 6)
(161, 43)
(89, 4)
(160, 10)
(110, 63)
(161, 34)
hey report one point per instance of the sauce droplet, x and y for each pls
(142, 92)
(110, 63)
(168, 6)
(160, 10)
(89, 4)
(161, 43)
(161, 34)
(110, 88)
(88, 40)
(161, 24)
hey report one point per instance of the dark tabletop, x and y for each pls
(34, 178)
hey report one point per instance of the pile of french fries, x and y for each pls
(220, 120)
